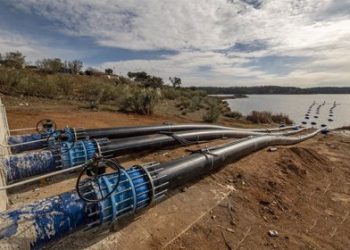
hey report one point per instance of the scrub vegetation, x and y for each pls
(138, 92)
(268, 117)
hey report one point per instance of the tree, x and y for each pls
(109, 71)
(75, 66)
(1, 60)
(14, 60)
(176, 82)
(50, 65)
(145, 79)
(91, 71)
(138, 76)
(153, 82)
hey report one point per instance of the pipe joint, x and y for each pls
(73, 154)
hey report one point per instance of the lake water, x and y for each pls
(296, 106)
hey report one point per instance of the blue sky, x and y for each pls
(206, 42)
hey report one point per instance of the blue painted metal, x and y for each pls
(50, 219)
(24, 165)
(73, 154)
(29, 164)
(18, 139)
(325, 131)
(133, 193)
(44, 220)
(38, 140)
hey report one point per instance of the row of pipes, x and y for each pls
(102, 197)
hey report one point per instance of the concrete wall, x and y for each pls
(4, 132)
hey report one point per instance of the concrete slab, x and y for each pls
(3, 152)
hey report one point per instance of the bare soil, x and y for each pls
(302, 192)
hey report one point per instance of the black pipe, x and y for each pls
(121, 132)
(20, 143)
(179, 171)
(17, 167)
(112, 148)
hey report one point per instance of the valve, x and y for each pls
(88, 179)
(46, 126)
(61, 140)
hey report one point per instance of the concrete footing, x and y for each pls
(4, 133)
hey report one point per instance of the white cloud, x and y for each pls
(33, 50)
(182, 24)
(315, 29)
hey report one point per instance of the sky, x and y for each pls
(303, 43)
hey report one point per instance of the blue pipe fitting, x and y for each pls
(73, 154)
(29, 164)
(325, 131)
(132, 194)
(38, 141)
(50, 219)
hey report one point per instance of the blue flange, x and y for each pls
(75, 153)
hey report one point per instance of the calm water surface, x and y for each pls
(296, 107)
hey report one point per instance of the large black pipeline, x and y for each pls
(20, 166)
(152, 142)
(120, 132)
(20, 143)
(45, 221)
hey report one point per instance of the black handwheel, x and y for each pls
(55, 141)
(93, 171)
(46, 126)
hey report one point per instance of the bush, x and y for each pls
(171, 93)
(233, 114)
(260, 117)
(268, 117)
(65, 85)
(281, 118)
(141, 101)
(212, 114)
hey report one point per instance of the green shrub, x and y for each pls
(212, 114)
(171, 93)
(185, 103)
(141, 101)
(233, 114)
(64, 84)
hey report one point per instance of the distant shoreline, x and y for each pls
(274, 90)
(226, 97)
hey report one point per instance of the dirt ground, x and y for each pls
(301, 191)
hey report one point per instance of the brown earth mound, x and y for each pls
(298, 192)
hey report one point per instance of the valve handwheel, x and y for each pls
(46, 126)
(89, 179)
(56, 141)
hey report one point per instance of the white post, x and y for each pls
(4, 133)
